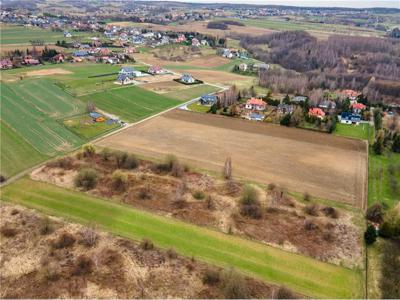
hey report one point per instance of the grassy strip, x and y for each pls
(302, 274)
(380, 187)
(362, 131)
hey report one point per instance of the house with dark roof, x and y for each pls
(350, 118)
(129, 71)
(187, 78)
(208, 99)
(124, 79)
(299, 99)
(80, 53)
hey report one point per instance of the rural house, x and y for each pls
(155, 70)
(29, 61)
(299, 99)
(243, 67)
(357, 107)
(327, 105)
(349, 118)
(256, 104)
(6, 63)
(208, 99)
(187, 78)
(129, 71)
(351, 94)
(58, 58)
(195, 42)
(316, 112)
(260, 67)
(124, 79)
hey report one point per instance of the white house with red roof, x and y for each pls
(316, 112)
(351, 94)
(357, 107)
(256, 104)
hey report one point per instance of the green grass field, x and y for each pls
(16, 34)
(15, 153)
(31, 107)
(197, 107)
(192, 92)
(362, 131)
(84, 126)
(379, 179)
(130, 103)
(302, 274)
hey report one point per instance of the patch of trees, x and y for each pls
(217, 25)
(361, 63)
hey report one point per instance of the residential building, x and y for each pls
(6, 64)
(256, 104)
(350, 118)
(357, 107)
(256, 117)
(327, 105)
(155, 70)
(243, 67)
(316, 112)
(351, 94)
(195, 42)
(187, 78)
(208, 99)
(299, 99)
(125, 79)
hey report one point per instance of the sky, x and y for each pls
(314, 3)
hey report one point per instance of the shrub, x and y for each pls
(109, 257)
(171, 253)
(45, 226)
(370, 235)
(271, 186)
(14, 212)
(65, 240)
(119, 181)
(170, 160)
(391, 225)
(375, 213)
(146, 244)
(285, 293)
(330, 212)
(106, 154)
(234, 286)
(306, 197)
(210, 203)
(250, 203)
(88, 150)
(88, 237)
(144, 193)
(119, 157)
(311, 209)
(130, 162)
(8, 231)
(86, 178)
(310, 225)
(62, 162)
(177, 169)
(83, 265)
(50, 272)
(228, 168)
(2, 178)
(328, 236)
(211, 276)
(199, 195)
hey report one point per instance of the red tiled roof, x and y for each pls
(316, 112)
(350, 93)
(358, 106)
(256, 101)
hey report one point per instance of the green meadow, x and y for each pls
(15, 153)
(304, 275)
(361, 131)
(130, 103)
(192, 92)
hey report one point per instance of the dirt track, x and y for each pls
(325, 166)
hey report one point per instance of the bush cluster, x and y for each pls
(86, 178)
(250, 204)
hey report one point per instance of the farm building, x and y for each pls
(207, 99)
(316, 112)
(349, 118)
(256, 104)
(187, 78)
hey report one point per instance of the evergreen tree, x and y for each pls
(370, 235)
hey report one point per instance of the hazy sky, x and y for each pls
(318, 3)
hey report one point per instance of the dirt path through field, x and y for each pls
(325, 166)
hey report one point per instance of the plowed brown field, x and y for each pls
(323, 165)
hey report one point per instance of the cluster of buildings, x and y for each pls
(233, 53)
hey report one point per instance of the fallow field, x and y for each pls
(304, 275)
(325, 166)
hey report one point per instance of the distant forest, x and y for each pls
(367, 64)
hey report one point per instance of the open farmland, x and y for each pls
(192, 92)
(130, 103)
(325, 166)
(16, 153)
(31, 107)
(17, 35)
(302, 274)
